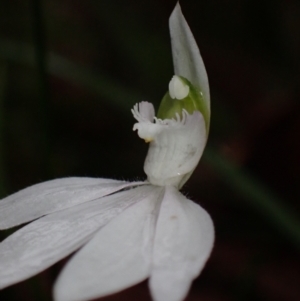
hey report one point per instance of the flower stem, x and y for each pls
(41, 63)
(257, 195)
(3, 74)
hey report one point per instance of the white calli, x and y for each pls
(126, 231)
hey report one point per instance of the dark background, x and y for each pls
(70, 71)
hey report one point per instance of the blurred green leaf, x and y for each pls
(118, 95)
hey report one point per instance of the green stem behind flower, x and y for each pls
(44, 97)
(3, 69)
(256, 194)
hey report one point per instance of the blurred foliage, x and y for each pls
(70, 71)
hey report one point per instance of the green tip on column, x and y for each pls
(182, 95)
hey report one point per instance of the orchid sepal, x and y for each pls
(187, 60)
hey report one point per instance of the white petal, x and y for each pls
(186, 56)
(118, 256)
(47, 197)
(40, 244)
(176, 151)
(183, 241)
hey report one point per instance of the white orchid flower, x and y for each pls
(126, 231)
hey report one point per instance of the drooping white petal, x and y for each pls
(186, 55)
(183, 241)
(176, 150)
(117, 257)
(40, 244)
(47, 197)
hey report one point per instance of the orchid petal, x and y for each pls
(186, 55)
(117, 257)
(51, 196)
(183, 241)
(40, 244)
(176, 150)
